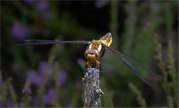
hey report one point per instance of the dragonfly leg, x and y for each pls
(86, 67)
(98, 65)
(95, 64)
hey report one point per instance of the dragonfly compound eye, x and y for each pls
(92, 52)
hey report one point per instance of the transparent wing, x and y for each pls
(46, 42)
(133, 65)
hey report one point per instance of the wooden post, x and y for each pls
(92, 91)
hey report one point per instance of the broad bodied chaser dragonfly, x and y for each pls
(95, 51)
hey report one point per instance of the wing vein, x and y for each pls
(46, 42)
(128, 60)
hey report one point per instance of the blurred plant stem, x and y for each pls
(173, 85)
(114, 21)
(13, 95)
(5, 91)
(7, 88)
(167, 35)
(162, 66)
(27, 100)
(17, 53)
(52, 53)
(41, 92)
(168, 19)
(27, 92)
(42, 89)
(141, 101)
(57, 87)
(130, 24)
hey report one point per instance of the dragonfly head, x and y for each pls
(94, 41)
(91, 54)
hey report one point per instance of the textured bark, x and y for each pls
(92, 91)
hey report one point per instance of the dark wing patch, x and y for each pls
(109, 38)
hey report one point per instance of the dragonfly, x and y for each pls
(95, 50)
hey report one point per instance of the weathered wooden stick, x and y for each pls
(92, 91)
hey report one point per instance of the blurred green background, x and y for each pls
(50, 75)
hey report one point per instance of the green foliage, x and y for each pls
(140, 99)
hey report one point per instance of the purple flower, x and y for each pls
(2, 105)
(43, 6)
(10, 103)
(20, 31)
(44, 68)
(62, 78)
(49, 97)
(44, 73)
(34, 78)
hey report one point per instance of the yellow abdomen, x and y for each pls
(107, 39)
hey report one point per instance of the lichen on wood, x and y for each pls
(92, 91)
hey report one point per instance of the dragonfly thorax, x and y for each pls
(95, 49)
